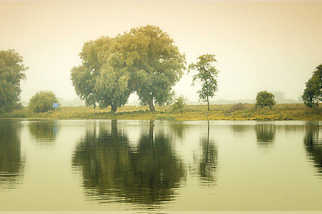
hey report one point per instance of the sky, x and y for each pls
(271, 45)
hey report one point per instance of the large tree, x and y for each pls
(11, 73)
(101, 78)
(312, 95)
(153, 62)
(207, 75)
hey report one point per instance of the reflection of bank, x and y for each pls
(44, 131)
(313, 145)
(114, 171)
(11, 160)
(265, 134)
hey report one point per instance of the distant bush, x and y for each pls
(42, 101)
(265, 99)
(238, 107)
(178, 105)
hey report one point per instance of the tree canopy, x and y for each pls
(11, 73)
(265, 99)
(42, 101)
(207, 74)
(153, 62)
(312, 94)
(143, 60)
(101, 79)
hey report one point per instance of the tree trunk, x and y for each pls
(151, 106)
(208, 102)
(114, 108)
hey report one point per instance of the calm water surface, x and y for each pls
(160, 166)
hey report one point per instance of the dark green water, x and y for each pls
(160, 166)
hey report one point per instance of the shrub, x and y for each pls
(238, 107)
(42, 101)
(178, 105)
(264, 99)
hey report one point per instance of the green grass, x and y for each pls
(191, 112)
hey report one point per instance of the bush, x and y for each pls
(238, 107)
(264, 99)
(42, 101)
(178, 105)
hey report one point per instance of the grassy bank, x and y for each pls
(191, 112)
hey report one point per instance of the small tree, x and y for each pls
(312, 94)
(264, 99)
(207, 74)
(42, 101)
(178, 105)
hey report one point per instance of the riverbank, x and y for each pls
(190, 112)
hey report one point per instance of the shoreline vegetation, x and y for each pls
(189, 113)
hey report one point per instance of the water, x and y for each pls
(160, 166)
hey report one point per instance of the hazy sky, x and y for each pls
(259, 45)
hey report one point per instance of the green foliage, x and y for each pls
(11, 73)
(265, 99)
(237, 107)
(153, 62)
(42, 101)
(178, 105)
(312, 94)
(102, 78)
(144, 60)
(207, 74)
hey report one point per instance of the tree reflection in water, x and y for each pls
(11, 160)
(208, 161)
(44, 131)
(114, 171)
(313, 145)
(265, 133)
(178, 128)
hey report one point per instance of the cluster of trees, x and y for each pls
(12, 71)
(144, 61)
(312, 94)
